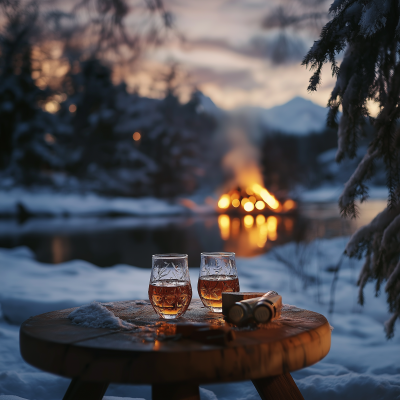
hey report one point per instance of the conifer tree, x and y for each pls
(368, 31)
(180, 140)
(174, 136)
(27, 138)
(102, 158)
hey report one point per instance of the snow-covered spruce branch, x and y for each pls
(363, 278)
(394, 276)
(369, 32)
(381, 240)
(354, 186)
(389, 325)
(391, 234)
(363, 235)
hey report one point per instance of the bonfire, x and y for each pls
(253, 199)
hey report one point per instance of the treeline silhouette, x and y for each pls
(89, 134)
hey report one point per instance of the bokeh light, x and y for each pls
(49, 138)
(137, 136)
(224, 201)
(235, 203)
(52, 106)
(249, 206)
(289, 205)
(260, 205)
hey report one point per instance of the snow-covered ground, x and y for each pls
(52, 203)
(331, 193)
(362, 364)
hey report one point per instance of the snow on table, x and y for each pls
(362, 364)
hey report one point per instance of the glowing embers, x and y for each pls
(268, 198)
(289, 205)
(236, 203)
(253, 199)
(224, 201)
(260, 205)
(249, 206)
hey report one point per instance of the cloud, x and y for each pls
(278, 48)
(240, 79)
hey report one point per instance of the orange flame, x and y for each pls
(271, 201)
(254, 197)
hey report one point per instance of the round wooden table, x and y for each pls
(175, 364)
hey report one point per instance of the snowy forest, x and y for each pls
(66, 124)
(80, 131)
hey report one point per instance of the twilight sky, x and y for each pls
(229, 56)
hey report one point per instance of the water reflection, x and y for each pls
(224, 225)
(60, 249)
(132, 240)
(249, 235)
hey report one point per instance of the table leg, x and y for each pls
(176, 391)
(83, 390)
(280, 387)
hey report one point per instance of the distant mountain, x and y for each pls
(298, 116)
(207, 106)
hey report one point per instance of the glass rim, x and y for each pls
(169, 256)
(218, 254)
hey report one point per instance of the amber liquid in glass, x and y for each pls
(210, 289)
(170, 298)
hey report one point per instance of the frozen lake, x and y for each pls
(107, 241)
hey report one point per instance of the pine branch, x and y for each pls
(364, 234)
(354, 186)
(370, 70)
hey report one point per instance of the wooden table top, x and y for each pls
(152, 354)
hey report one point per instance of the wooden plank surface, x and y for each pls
(153, 354)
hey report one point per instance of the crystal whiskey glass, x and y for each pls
(218, 274)
(170, 291)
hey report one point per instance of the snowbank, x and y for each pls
(47, 203)
(331, 193)
(28, 288)
(361, 363)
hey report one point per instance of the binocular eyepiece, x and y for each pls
(260, 309)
